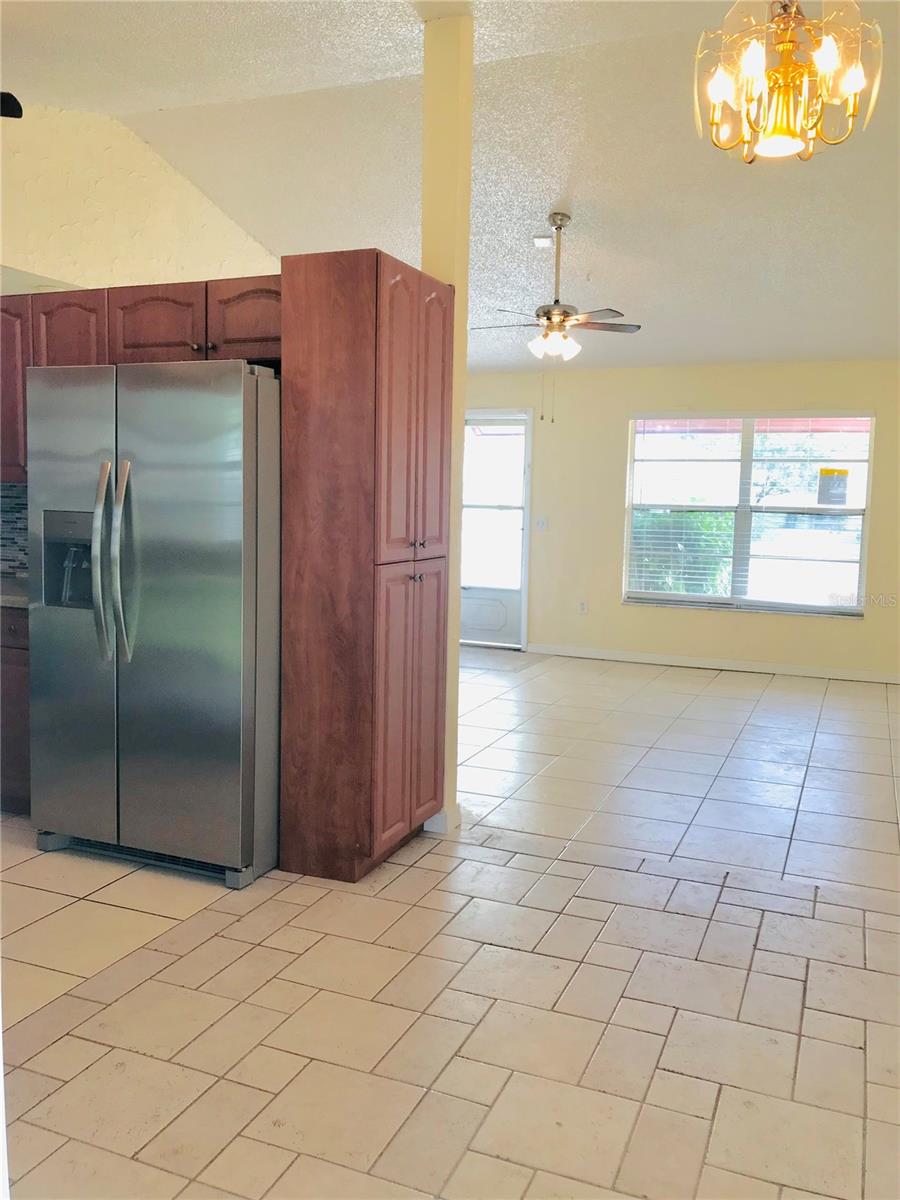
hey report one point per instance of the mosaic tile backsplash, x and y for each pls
(14, 527)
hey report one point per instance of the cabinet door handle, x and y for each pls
(195, 346)
(414, 543)
(423, 544)
(211, 346)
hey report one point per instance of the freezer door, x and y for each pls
(183, 564)
(71, 450)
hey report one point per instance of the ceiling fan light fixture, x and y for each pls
(570, 348)
(537, 346)
(543, 241)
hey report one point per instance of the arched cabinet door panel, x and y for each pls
(157, 323)
(396, 410)
(15, 356)
(243, 317)
(435, 398)
(70, 329)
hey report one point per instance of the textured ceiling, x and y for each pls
(717, 260)
(132, 57)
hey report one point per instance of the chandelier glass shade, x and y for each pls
(776, 82)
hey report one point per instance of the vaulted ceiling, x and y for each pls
(302, 122)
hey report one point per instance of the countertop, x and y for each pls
(14, 591)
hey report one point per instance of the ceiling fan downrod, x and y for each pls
(558, 220)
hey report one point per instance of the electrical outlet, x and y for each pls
(541, 524)
(582, 607)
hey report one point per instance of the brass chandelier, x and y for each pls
(779, 82)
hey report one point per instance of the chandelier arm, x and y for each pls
(719, 145)
(762, 112)
(843, 137)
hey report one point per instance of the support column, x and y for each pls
(446, 197)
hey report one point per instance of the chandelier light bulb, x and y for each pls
(720, 88)
(854, 80)
(827, 57)
(537, 345)
(753, 67)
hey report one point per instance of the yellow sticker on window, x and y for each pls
(832, 485)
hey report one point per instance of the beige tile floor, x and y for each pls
(661, 958)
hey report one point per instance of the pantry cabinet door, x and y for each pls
(394, 599)
(395, 411)
(429, 684)
(435, 383)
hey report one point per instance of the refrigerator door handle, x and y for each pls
(97, 597)
(115, 556)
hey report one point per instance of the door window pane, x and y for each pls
(494, 464)
(492, 548)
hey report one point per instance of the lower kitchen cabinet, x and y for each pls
(14, 756)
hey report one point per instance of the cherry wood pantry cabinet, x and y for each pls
(365, 470)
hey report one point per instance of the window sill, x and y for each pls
(744, 607)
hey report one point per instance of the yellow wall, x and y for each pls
(85, 200)
(579, 469)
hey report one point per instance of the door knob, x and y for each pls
(211, 346)
(195, 346)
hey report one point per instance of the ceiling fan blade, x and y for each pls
(599, 314)
(530, 325)
(514, 312)
(607, 328)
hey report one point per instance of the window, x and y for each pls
(764, 512)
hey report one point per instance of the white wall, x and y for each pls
(86, 201)
(579, 469)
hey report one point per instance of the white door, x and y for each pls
(495, 522)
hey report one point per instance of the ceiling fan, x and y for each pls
(556, 320)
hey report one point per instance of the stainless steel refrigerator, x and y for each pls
(154, 556)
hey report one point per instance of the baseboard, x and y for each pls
(715, 664)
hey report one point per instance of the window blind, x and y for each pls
(748, 512)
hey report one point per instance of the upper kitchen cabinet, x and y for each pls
(412, 403)
(157, 323)
(70, 329)
(243, 317)
(15, 356)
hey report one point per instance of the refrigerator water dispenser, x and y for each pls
(67, 559)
